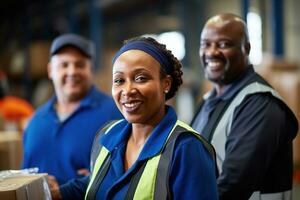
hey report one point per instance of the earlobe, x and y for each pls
(247, 48)
(49, 70)
(168, 83)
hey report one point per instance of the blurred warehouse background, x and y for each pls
(27, 28)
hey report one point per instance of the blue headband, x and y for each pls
(150, 49)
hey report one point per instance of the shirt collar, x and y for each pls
(120, 133)
(89, 100)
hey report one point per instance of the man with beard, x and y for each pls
(249, 125)
(59, 137)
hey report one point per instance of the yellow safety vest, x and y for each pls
(150, 185)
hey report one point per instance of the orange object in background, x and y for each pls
(15, 112)
(15, 109)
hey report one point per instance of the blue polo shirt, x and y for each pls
(62, 148)
(192, 174)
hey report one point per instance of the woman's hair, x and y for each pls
(176, 72)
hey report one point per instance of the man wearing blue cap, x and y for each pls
(59, 137)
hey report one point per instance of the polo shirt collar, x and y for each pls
(89, 100)
(120, 133)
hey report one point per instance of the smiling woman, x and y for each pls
(138, 89)
(134, 150)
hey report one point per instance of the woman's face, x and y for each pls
(138, 88)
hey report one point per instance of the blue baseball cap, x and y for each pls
(86, 46)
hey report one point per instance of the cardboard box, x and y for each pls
(10, 150)
(25, 187)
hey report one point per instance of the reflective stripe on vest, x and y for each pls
(145, 188)
(286, 195)
(223, 128)
(100, 159)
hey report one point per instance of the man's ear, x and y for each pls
(247, 47)
(49, 70)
